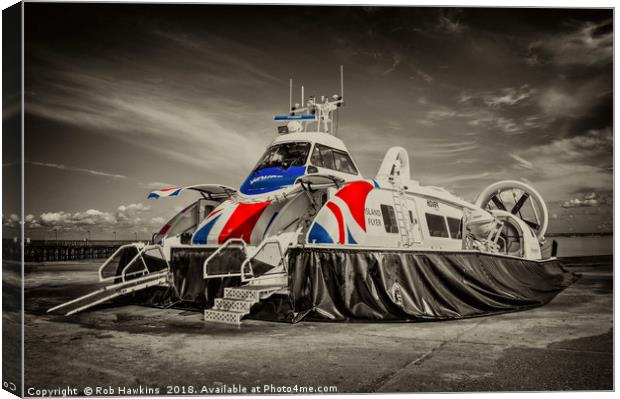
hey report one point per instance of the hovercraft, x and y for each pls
(306, 236)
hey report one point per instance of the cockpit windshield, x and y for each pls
(284, 156)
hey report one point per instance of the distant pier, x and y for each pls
(61, 250)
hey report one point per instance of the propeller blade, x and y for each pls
(533, 225)
(515, 209)
(498, 202)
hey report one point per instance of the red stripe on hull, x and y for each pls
(354, 195)
(338, 214)
(242, 221)
(215, 212)
(164, 230)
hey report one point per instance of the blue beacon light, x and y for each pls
(294, 117)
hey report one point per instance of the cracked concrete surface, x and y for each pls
(567, 344)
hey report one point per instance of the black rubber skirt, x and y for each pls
(349, 285)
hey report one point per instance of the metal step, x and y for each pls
(224, 316)
(250, 293)
(235, 305)
(238, 301)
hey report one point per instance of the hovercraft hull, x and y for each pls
(382, 285)
(335, 284)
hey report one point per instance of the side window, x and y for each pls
(185, 221)
(323, 156)
(344, 163)
(455, 227)
(436, 225)
(316, 159)
(389, 219)
(330, 158)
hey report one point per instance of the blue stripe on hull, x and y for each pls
(200, 237)
(319, 235)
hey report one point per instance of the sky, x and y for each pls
(123, 99)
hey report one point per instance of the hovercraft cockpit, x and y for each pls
(297, 154)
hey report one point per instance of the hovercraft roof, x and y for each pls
(314, 137)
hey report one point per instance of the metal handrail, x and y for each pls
(258, 249)
(218, 250)
(140, 253)
(141, 248)
(107, 262)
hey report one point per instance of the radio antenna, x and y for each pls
(302, 96)
(342, 81)
(290, 94)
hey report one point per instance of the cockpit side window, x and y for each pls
(330, 158)
(323, 156)
(284, 156)
(344, 162)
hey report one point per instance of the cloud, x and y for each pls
(433, 149)
(178, 118)
(588, 200)
(592, 144)
(590, 196)
(523, 163)
(450, 25)
(508, 96)
(440, 114)
(509, 110)
(587, 44)
(464, 97)
(11, 221)
(126, 215)
(131, 212)
(134, 208)
(90, 217)
(555, 102)
(419, 73)
(486, 119)
(157, 221)
(396, 59)
(493, 122)
(212, 45)
(74, 169)
(564, 166)
(459, 178)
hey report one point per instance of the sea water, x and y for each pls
(593, 245)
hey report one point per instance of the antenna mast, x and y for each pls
(317, 111)
(290, 94)
(342, 81)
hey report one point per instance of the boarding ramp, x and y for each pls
(133, 267)
(110, 292)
